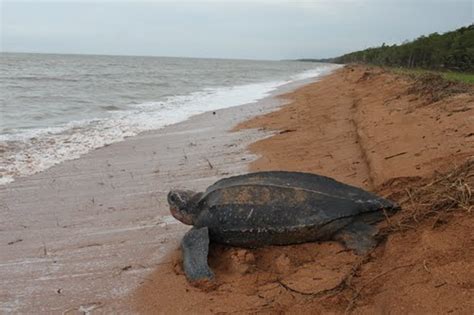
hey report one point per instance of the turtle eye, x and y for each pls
(173, 198)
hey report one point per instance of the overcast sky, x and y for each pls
(225, 29)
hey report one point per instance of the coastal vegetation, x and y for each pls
(449, 55)
(452, 51)
(464, 77)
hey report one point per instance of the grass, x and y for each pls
(447, 75)
(460, 77)
(435, 198)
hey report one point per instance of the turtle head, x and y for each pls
(183, 205)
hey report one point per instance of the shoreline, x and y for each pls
(47, 147)
(84, 232)
(372, 129)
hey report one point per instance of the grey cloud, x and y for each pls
(262, 30)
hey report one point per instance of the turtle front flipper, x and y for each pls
(195, 247)
(358, 236)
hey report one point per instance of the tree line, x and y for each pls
(449, 51)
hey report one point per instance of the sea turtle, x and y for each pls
(274, 208)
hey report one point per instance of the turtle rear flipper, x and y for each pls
(195, 247)
(358, 236)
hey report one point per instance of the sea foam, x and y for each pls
(27, 152)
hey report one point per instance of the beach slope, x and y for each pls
(408, 139)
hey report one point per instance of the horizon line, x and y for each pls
(144, 55)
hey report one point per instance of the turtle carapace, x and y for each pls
(275, 208)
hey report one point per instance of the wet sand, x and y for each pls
(81, 235)
(367, 127)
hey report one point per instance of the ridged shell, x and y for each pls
(283, 207)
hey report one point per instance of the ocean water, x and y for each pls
(58, 107)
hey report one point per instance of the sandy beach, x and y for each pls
(80, 235)
(94, 234)
(409, 140)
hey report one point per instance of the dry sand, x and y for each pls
(373, 129)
